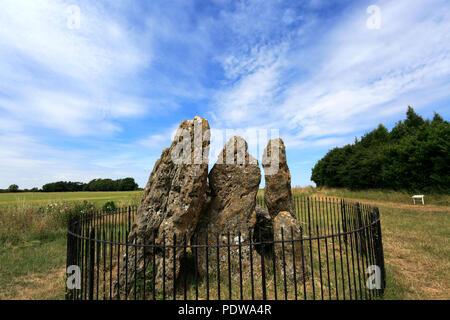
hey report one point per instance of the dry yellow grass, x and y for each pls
(417, 249)
(41, 286)
(416, 241)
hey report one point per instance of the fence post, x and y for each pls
(72, 257)
(263, 269)
(91, 263)
(360, 235)
(379, 253)
(69, 292)
(344, 220)
(129, 219)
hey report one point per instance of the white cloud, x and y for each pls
(98, 49)
(68, 79)
(155, 141)
(159, 141)
(320, 78)
(249, 99)
(8, 125)
(352, 79)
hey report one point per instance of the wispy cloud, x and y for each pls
(352, 76)
(104, 99)
(68, 79)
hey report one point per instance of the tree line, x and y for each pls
(126, 184)
(414, 156)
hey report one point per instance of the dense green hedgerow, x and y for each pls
(413, 156)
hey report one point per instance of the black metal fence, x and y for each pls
(337, 253)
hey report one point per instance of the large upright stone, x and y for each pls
(234, 182)
(170, 207)
(277, 190)
(291, 252)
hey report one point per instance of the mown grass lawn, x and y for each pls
(415, 238)
(395, 197)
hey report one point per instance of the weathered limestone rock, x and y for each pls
(234, 182)
(170, 207)
(277, 190)
(294, 256)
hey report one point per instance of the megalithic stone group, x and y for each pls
(181, 201)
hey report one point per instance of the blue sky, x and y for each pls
(104, 99)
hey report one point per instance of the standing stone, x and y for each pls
(277, 190)
(171, 204)
(234, 182)
(294, 256)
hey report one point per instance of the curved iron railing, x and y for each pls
(337, 253)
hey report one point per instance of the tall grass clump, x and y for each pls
(23, 222)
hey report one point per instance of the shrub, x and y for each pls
(109, 206)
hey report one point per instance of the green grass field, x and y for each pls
(415, 238)
(394, 197)
(42, 198)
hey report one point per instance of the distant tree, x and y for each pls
(13, 188)
(413, 120)
(414, 156)
(127, 184)
(378, 136)
(63, 186)
(437, 118)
